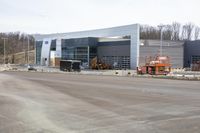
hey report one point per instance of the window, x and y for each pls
(117, 62)
(53, 45)
(38, 51)
(195, 59)
(75, 53)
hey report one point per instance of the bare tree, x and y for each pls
(149, 32)
(173, 31)
(196, 32)
(167, 32)
(16, 42)
(184, 33)
(176, 31)
(187, 31)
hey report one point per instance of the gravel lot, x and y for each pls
(65, 103)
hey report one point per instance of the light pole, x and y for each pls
(161, 38)
(4, 50)
(28, 52)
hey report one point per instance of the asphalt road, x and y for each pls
(64, 103)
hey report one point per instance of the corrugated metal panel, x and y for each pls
(176, 54)
(122, 48)
(165, 43)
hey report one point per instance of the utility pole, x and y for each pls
(4, 50)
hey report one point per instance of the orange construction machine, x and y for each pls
(159, 65)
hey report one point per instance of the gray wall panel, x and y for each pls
(113, 50)
(121, 48)
(176, 54)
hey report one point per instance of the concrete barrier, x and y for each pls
(109, 72)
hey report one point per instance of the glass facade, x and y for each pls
(75, 53)
(79, 53)
(38, 52)
(53, 45)
(195, 59)
(83, 49)
(93, 52)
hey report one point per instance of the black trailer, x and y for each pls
(70, 65)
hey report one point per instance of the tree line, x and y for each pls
(174, 31)
(15, 42)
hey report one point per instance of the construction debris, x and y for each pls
(98, 64)
(196, 66)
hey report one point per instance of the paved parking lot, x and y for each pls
(64, 103)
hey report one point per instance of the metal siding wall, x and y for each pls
(122, 48)
(135, 47)
(45, 51)
(113, 50)
(176, 54)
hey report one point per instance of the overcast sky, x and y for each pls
(54, 16)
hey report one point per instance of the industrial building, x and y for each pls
(87, 44)
(120, 47)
